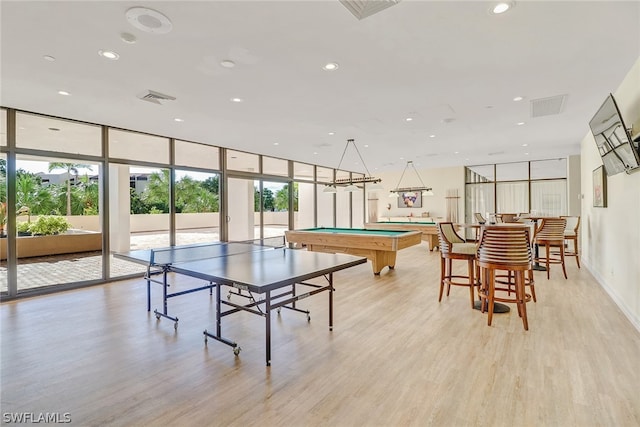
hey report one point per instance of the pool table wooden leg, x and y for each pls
(382, 259)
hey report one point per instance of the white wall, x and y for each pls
(611, 235)
(574, 186)
(440, 179)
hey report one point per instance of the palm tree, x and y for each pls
(32, 195)
(70, 168)
(157, 192)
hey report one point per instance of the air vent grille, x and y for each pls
(364, 8)
(548, 106)
(155, 97)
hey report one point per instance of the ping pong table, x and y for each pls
(253, 267)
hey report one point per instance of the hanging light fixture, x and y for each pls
(351, 182)
(330, 189)
(426, 191)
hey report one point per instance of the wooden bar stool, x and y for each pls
(504, 249)
(550, 234)
(571, 231)
(452, 246)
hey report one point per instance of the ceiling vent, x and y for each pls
(363, 8)
(155, 97)
(548, 106)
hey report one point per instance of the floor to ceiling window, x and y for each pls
(537, 187)
(512, 188)
(149, 191)
(326, 201)
(197, 201)
(138, 195)
(343, 202)
(3, 201)
(304, 196)
(58, 203)
(549, 187)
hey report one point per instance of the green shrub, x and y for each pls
(23, 227)
(49, 224)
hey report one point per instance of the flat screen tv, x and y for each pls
(618, 152)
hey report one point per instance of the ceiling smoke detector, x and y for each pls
(155, 97)
(362, 9)
(148, 20)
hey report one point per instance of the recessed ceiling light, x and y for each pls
(63, 92)
(177, 119)
(49, 58)
(524, 145)
(227, 63)
(148, 20)
(332, 133)
(408, 119)
(366, 145)
(109, 54)
(236, 99)
(518, 98)
(276, 143)
(520, 123)
(502, 7)
(315, 152)
(432, 136)
(526, 154)
(456, 152)
(128, 38)
(331, 66)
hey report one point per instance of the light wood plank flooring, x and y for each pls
(396, 357)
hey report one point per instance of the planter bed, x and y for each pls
(70, 242)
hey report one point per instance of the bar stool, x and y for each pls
(504, 249)
(571, 232)
(452, 246)
(550, 234)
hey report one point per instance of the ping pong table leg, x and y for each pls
(218, 310)
(148, 287)
(218, 334)
(268, 327)
(331, 301)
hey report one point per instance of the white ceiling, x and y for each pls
(450, 65)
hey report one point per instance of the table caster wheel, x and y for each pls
(175, 326)
(279, 310)
(158, 316)
(308, 318)
(236, 350)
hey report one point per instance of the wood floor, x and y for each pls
(396, 357)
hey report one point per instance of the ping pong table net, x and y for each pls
(186, 253)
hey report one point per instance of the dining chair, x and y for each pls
(508, 217)
(550, 234)
(505, 249)
(454, 247)
(571, 231)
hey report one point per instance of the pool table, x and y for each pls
(380, 246)
(428, 229)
